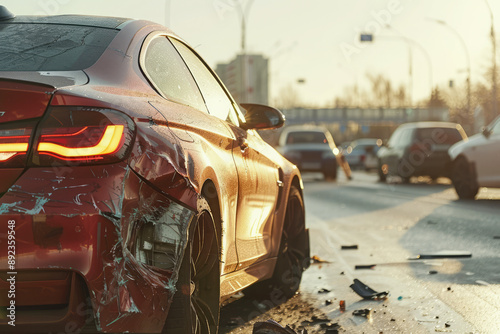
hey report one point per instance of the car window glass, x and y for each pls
(216, 99)
(51, 47)
(306, 137)
(405, 138)
(441, 136)
(170, 75)
(495, 130)
(394, 138)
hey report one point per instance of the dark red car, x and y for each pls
(134, 193)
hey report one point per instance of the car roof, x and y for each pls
(76, 20)
(304, 128)
(365, 141)
(429, 125)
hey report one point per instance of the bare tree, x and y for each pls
(288, 98)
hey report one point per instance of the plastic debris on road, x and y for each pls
(362, 312)
(366, 292)
(317, 259)
(442, 255)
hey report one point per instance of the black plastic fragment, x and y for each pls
(442, 255)
(366, 292)
(349, 247)
(362, 313)
(364, 266)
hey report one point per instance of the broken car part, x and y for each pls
(362, 313)
(442, 255)
(366, 292)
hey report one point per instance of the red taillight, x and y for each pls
(88, 143)
(14, 144)
(80, 135)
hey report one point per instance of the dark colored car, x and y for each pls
(419, 149)
(311, 149)
(135, 196)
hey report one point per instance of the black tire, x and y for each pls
(330, 170)
(331, 175)
(196, 304)
(405, 179)
(382, 177)
(293, 256)
(463, 179)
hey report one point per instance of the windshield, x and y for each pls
(51, 47)
(447, 136)
(306, 137)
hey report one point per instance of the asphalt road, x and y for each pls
(390, 223)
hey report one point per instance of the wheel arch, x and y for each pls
(471, 164)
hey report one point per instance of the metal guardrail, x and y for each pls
(364, 116)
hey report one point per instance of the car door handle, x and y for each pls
(243, 143)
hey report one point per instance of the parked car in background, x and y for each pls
(476, 162)
(135, 196)
(419, 149)
(311, 149)
(362, 153)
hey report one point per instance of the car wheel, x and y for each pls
(382, 177)
(196, 304)
(463, 179)
(293, 255)
(382, 171)
(330, 175)
(405, 179)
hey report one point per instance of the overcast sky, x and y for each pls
(317, 40)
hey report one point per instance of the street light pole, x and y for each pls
(167, 12)
(244, 16)
(363, 38)
(470, 116)
(424, 52)
(494, 74)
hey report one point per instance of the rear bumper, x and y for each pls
(322, 165)
(46, 301)
(73, 261)
(74, 273)
(439, 165)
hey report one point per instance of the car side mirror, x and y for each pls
(486, 132)
(261, 117)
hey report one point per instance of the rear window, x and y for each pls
(445, 136)
(51, 47)
(306, 137)
(366, 148)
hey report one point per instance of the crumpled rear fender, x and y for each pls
(87, 220)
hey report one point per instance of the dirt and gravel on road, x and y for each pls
(241, 315)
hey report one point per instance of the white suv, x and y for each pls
(476, 162)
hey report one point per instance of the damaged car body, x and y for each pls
(140, 194)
